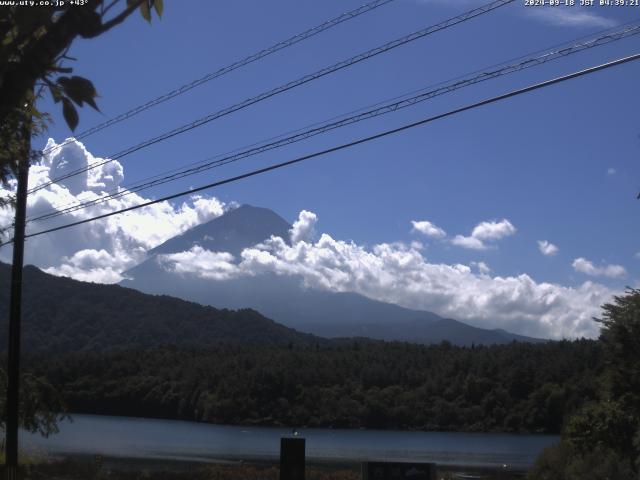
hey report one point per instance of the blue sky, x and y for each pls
(560, 164)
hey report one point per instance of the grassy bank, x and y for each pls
(87, 469)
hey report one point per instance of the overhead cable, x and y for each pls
(344, 146)
(380, 109)
(286, 87)
(230, 68)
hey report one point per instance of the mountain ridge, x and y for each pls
(285, 299)
(60, 314)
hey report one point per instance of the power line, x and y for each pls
(288, 86)
(504, 70)
(229, 68)
(343, 146)
(521, 63)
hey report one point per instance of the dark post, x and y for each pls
(292, 458)
(13, 367)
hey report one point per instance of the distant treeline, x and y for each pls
(509, 388)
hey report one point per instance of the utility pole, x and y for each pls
(15, 306)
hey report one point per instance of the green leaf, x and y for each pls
(10, 36)
(145, 11)
(70, 113)
(55, 93)
(159, 6)
(79, 90)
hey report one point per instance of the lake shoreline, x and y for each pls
(116, 467)
(250, 424)
(134, 440)
(133, 462)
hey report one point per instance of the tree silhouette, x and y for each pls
(35, 41)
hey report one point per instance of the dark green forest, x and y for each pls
(512, 388)
(110, 350)
(602, 439)
(113, 350)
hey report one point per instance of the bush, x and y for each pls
(564, 462)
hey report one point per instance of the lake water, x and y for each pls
(139, 438)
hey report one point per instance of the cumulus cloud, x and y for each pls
(485, 232)
(468, 242)
(482, 267)
(587, 267)
(427, 228)
(493, 230)
(204, 263)
(420, 246)
(303, 229)
(547, 248)
(570, 17)
(92, 265)
(390, 272)
(400, 274)
(96, 251)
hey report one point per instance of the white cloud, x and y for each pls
(303, 229)
(637, 255)
(547, 248)
(493, 230)
(483, 232)
(468, 242)
(570, 17)
(400, 274)
(100, 250)
(92, 266)
(587, 267)
(396, 272)
(427, 228)
(419, 245)
(482, 267)
(611, 171)
(206, 264)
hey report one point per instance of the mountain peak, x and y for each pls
(231, 232)
(252, 211)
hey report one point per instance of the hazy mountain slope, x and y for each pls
(60, 314)
(322, 313)
(285, 300)
(283, 297)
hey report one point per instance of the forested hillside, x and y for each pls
(64, 315)
(513, 388)
(111, 350)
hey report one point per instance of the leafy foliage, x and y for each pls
(602, 440)
(34, 43)
(602, 425)
(620, 336)
(41, 405)
(563, 462)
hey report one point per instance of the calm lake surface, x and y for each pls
(176, 440)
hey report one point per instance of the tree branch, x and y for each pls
(108, 7)
(117, 20)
